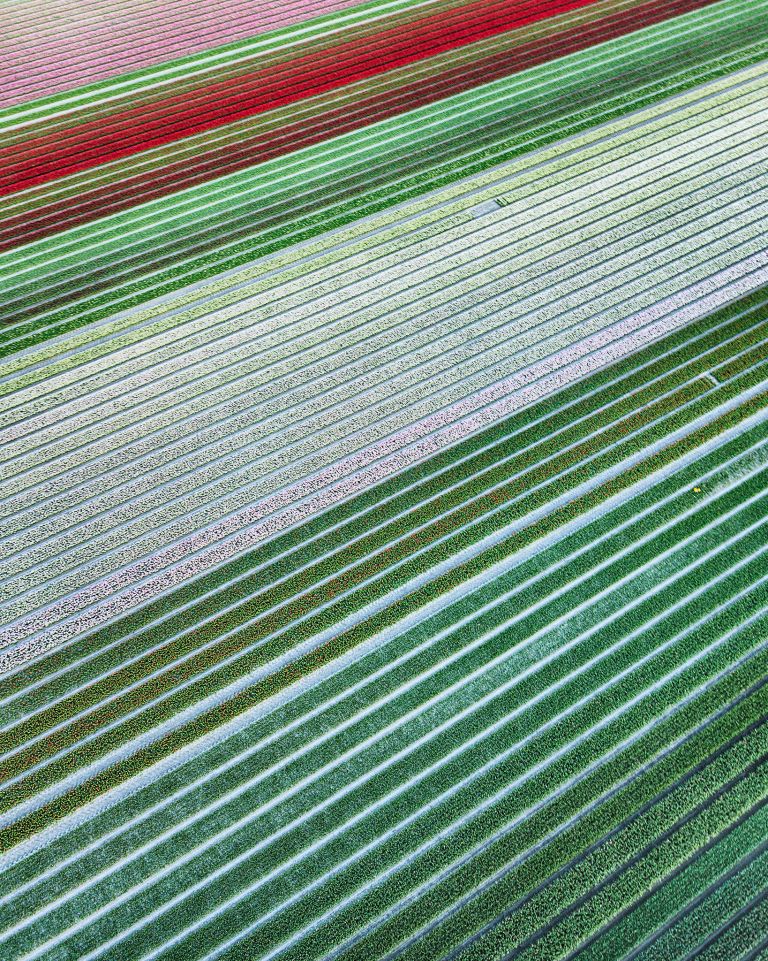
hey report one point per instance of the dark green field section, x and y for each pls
(510, 703)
